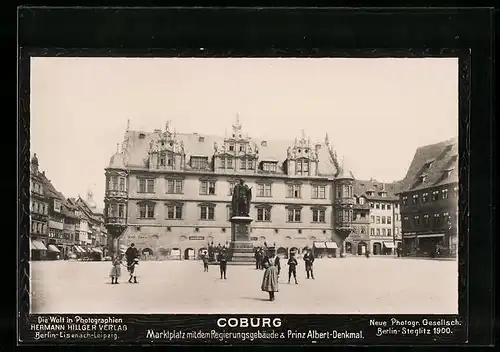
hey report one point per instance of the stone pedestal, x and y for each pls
(241, 246)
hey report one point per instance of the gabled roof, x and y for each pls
(362, 187)
(136, 152)
(48, 188)
(444, 156)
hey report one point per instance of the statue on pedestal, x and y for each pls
(240, 203)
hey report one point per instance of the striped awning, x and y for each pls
(53, 248)
(431, 235)
(319, 244)
(38, 245)
(331, 245)
(389, 245)
(96, 250)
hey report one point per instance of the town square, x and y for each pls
(352, 285)
(168, 206)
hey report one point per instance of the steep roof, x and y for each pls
(48, 188)
(437, 162)
(136, 153)
(361, 188)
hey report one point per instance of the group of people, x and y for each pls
(132, 262)
(222, 257)
(271, 265)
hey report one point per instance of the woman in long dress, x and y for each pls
(270, 279)
(116, 268)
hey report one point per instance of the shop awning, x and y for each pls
(96, 250)
(53, 248)
(389, 245)
(331, 245)
(80, 249)
(431, 235)
(319, 244)
(38, 245)
(77, 249)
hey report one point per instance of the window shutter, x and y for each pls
(138, 211)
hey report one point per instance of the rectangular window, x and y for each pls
(382, 206)
(243, 164)
(263, 190)
(318, 192)
(415, 199)
(150, 186)
(377, 205)
(372, 219)
(318, 215)
(372, 232)
(437, 219)
(426, 219)
(207, 188)
(250, 164)
(270, 167)
(383, 220)
(378, 219)
(122, 184)
(444, 193)
(378, 232)
(229, 163)
(222, 163)
(114, 210)
(207, 212)
(388, 232)
(293, 191)
(293, 215)
(384, 232)
(405, 221)
(263, 214)
(371, 205)
(174, 212)
(174, 186)
(405, 200)
(388, 207)
(121, 210)
(114, 183)
(199, 163)
(345, 192)
(416, 220)
(435, 195)
(425, 197)
(389, 220)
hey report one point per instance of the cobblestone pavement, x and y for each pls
(355, 285)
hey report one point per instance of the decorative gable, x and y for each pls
(302, 157)
(165, 152)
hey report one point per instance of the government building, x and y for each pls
(170, 193)
(429, 201)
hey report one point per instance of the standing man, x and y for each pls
(278, 264)
(309, 260)
(258, 259)
(292, 268)
(131, 253)
(222, 263)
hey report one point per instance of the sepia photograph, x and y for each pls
(244, 185)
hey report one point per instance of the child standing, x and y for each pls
(116, 269)
(133, 271)
(205, 261)
(292, 268)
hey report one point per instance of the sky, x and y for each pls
(376, 112)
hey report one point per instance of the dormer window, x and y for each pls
(361, 200)
(429, 163)
(422, 178)
(231, 148)
(369, 193)
(242, 148)
(199, 163)
(201, 139)
(263, 143)
(382, 194)
(269, 166)
(448, 172)
(142, 136)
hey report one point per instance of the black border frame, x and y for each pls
(287, 32)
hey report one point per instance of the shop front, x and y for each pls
(331, 249)
(388, 247)
(38, 249)
(319, 249)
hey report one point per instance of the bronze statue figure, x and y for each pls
(240, 203)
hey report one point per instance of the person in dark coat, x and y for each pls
(278, 264)
(292, 268)
(131, 253)
(222, 258)
(264, 258)
(309, 261)
(204, 257)
(258, 259)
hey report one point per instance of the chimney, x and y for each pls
(43, 172)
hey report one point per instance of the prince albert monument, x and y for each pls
(241, 245)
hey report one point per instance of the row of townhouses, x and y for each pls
(170, 194)
(59, 227)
